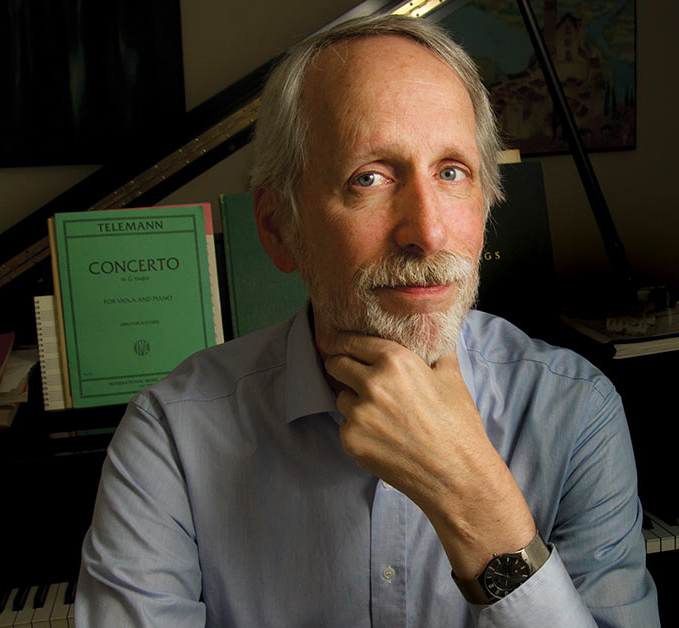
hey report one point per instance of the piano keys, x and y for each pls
(659, 535)
(43, 606)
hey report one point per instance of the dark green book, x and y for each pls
(135, 297)
(259, 293)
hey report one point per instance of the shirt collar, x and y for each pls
(306, 389)
(465, 362)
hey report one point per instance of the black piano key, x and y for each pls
(41, 616)
(20, 598)
(4, 597)
(69, 597)
(41, 596)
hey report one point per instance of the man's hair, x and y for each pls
(282, 131)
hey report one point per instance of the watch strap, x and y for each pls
(471, 590)
(535, 554)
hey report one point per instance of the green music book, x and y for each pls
(135, 297)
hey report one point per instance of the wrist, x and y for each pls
(504, 573)
(480, 520)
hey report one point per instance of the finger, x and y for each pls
(347, 370)
(366, 349)
(346, 402)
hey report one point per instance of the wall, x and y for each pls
(223, 41)
(640, 186)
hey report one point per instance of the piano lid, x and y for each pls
(148, 170)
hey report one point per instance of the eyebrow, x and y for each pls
(468, 155)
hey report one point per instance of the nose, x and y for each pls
(420, 227)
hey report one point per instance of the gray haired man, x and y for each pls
(389, 456)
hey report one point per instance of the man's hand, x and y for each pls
(417, 428)
(403, 418)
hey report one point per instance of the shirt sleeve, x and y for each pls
(545, 598)
(596, 574)
(139, 561)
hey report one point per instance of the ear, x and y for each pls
(269, 230)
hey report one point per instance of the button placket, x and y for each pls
(387, 557)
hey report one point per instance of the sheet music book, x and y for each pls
(48, 352)
(628, 337)
(136, 292)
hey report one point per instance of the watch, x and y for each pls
(504, 573)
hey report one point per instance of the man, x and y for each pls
(381, 458)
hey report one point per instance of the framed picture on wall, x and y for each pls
(76, 76)
(592, 45)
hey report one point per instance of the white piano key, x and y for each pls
(8, 615)
(41, 617)
(70, 600)
(59, 616)
(25, 615)
(652, 541)
(668, 533)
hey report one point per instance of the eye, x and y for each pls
(452, 173)
(366, 179)
(369, 179)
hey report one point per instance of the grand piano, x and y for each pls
(50, 463)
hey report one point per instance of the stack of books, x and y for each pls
(629, 336)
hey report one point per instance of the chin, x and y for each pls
(356, 307)
(428, 335)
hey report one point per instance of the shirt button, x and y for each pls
(386, 485)
(388, 573)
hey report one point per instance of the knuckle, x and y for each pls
(395, 355)
(374, 389)
(333, 362)
(345, 402)
(351, 441)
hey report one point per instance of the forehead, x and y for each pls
(382, 80)
(347, 62)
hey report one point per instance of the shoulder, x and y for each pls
(531, 394)
(496, 345)
(215, 373)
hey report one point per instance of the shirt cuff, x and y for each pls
(547, 598)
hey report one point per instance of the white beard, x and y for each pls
(428, 335)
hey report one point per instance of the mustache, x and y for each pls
(404, 269)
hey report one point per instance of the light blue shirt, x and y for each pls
(227, 500)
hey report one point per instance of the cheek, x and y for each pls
(467, 230)
(355, 242)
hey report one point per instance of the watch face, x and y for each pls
(504, 574)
